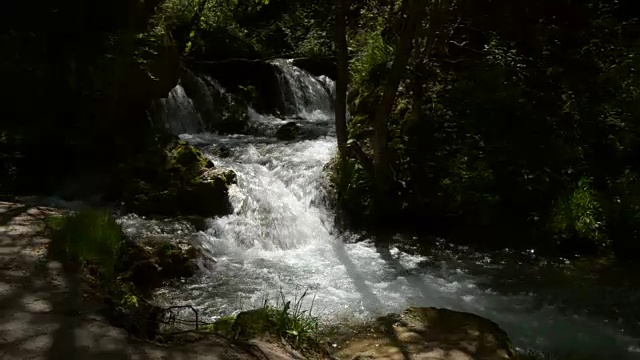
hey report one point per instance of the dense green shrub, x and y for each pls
(520, 138)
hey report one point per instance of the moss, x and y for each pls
(174, 178)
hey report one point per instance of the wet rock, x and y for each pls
(229, 176)
(199, 223)
(250, 323)
(172, 180)
(223, 152)
(151, 261)
(288, 131)
(430, 333)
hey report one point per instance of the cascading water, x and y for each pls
(178, 113)
(305, 94)
(281, 238)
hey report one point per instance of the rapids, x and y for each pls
(281, 238)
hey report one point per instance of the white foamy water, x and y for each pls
(281, 237)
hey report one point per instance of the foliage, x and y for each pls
(579, 214)
(282, 318)
(79, 75)
(252, 29)
(519, 127)
(88, 236)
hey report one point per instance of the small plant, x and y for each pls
(294, 324)
(283, 318)
(580, 215)
(87, 236)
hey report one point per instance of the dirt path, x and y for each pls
(43, 314)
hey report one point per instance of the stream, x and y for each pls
(281, 239)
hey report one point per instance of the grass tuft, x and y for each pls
(87, 236)
(283, 318)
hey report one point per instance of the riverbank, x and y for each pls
(50, 313)
(47, 313)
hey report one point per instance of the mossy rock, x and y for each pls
(288, 131)
(223, 152)
(229, 176)
(175, 179)
(223, 326)
(431, 333)
(251, 323)
(149, 262)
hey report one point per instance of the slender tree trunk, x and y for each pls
(414, 13)
(342, 77)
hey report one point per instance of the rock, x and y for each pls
(288, 131)
(431, 333)
(229, 176)
(250, 323)
(271, 350)
(155, 259)
(223, 152)
(175, 179)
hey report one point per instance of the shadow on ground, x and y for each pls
(45, 313)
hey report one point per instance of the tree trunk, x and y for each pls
(342, 77)
(414, 13)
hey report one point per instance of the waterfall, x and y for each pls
(193, 106)
(303, 92)
(281, 237)
(178, 113)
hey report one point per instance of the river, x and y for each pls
(281, 238)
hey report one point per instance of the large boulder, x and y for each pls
(174, 179)
(430, 333)
(150, 261)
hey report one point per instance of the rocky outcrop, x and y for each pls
(150, 261)
(174, 179)
(430, 333)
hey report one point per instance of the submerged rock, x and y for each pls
(223, 152)
(430, 333)
(288, 131)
